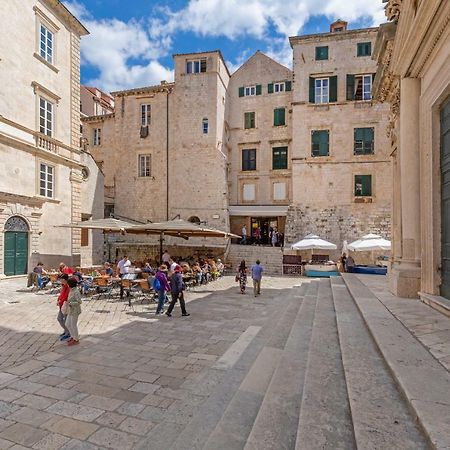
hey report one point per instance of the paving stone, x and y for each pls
(9, 395)
(152, 413)
(56, 393)
(34, 401)
(5, 424)
(144, 376)
(51, 442)
(6, 378)
(96, 389)
(75, 444)
(105, 403)
(128, 396)
(7, 409)
(75, 411)
(26, 386)
(30, 416)
(136, 426)
(152, 400)
(26, 368)
(145, 388)
(58, 371)
(130, 409)
(23, 434)
(72, 428)
(110, 419)
(110, 438)
(4, 444)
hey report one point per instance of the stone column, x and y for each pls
(405, 274)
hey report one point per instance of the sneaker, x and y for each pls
(168, 314)
(73, 342)
(157, 313)
(62, 334)
(65, 337)
(185, 315)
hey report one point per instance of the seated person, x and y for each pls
(78, 275)
(220, 267)
(42, 277)
(63, 269)
(108, 269)
(147, 269)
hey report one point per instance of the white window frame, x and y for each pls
(145, 166)
(195, 65)
(97, 136)
(46, 43)
(46, 180)
(250, 91)
(279, 87)
(46, 116)
(321, 92)
(146, 114)
(366, 86)
(205, 125)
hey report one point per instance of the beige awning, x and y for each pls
(258, 211)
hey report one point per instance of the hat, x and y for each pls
(177, 268)
(163, 267)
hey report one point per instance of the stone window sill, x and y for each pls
(42, 60)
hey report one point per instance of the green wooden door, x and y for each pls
(16, 253)
(445, 199)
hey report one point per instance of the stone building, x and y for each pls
(413, 53)
(46, 180)
(95, 102)
(341, 172)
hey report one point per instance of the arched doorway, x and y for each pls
(16, 246)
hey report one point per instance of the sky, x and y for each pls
(131, 42)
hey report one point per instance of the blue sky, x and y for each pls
(132, 42)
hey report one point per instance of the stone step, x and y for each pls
(424, 382)
(226, 380)
(234, 427)
(325, 420)
(381, 418)
(275, 426)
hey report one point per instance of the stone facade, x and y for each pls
(413, 52)
(326, 199)
(41, 183)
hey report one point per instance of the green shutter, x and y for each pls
(350, 87)
(282, 116)
(275, 117)
(241, 91)
(333, 89)
(270, 88)
(321, 53)
(249, 120)
(258, 89)
(288, 85)
(366, 185)
(312, 92)
(320, 143)
(359, 134)
(279, 116)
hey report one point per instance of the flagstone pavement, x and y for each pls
(129, 373)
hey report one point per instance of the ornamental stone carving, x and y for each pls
(392, 10)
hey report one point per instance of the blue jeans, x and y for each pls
(161, 300)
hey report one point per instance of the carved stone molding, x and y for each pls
(392, 10)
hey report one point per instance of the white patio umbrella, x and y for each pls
(313, 242)
(370, 242)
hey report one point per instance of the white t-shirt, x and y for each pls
(165, 257)
(172, 266)
(123, 266)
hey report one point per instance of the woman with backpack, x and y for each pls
(161, 285)
(177, 288)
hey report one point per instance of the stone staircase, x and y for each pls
(271, 257)
(320, 373)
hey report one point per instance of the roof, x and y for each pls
(98, 118)
(144, 90)
(206, 52)
(331, 35)
(260, 53)
(70, 18)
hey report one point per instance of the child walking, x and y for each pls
(62, 314)
(73, 311)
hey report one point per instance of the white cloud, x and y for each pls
(113, 46)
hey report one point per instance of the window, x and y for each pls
(364, 141)
(46, 44)
(279, 158)
(359, 87)
(364, 49)
(321, 53)
(144, 166)
(249, 159)
(205, 125)
(321, 90)
(279, 117)
(146, 115)
(97, 136)
(248, 91)
(196, 66)
(280, 86)
(320, 141)
(248, 192)
(279, 191)
(46, 117)
(249, 120)
(363, 185)
(46, 180)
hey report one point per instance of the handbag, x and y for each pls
(65, 308)
(236, 278)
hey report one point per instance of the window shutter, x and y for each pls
(350, 87)
(366, 181)
(270, 88)
(276, 117)
(241, 91)
(312, 96)
(323, 143)
(282, 116)
(258, 89)
(359, 134)
(288, 85)
(333, 89)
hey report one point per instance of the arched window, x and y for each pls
(17, 224)
(194, 219)
(205, 125)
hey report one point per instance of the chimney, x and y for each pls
(338, 26)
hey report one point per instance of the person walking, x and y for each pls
(177, 288)
(244, 235)
(161, 285)
(62, 313)
(73, 311)
(241, 276)
(257, 270)
(258, 236)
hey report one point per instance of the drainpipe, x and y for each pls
(167, 154)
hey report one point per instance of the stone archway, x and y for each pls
(16, 245)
